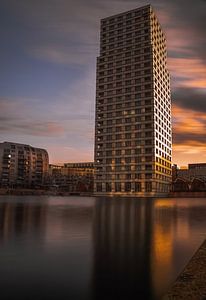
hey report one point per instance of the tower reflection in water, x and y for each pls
(122, 242)
(21, 219)
(141, 245)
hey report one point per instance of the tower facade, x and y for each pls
(133, 135)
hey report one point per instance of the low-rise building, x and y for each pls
(191, 178)
(22, 165)
(72, 177)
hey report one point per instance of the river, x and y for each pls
(95, 248)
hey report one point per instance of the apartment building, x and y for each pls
(22, 165)
(133, 134)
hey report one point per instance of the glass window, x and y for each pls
(108, 187)
(148, 186)
(138, 186)
(117, 187)
(99, 187)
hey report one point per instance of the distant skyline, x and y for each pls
(48, 56)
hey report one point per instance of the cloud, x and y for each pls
(189, 129)
(20, 118)
(66, 120)
(188, 22)
(59, 54)
(188, 152)
(189, 98)
(188, 72)
(14, 116)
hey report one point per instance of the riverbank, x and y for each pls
(191, 283)
(56, 192)
(187, 195)
(40, 192)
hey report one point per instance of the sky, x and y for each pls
(48, 56)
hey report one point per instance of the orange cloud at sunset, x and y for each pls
(189, 152)
(188, 121)
(192, 72)
(189, 129)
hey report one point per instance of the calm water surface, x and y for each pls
(95, 248)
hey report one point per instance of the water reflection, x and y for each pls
(18, 219)
(122, 242)
(141, 245)
(45, 248)
(178, 229)
(87, 248)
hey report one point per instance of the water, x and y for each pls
(92, 248)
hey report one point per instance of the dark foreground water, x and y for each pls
(89, 248)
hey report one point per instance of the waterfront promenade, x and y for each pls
(40, 192)
(59, 192)
(191, 283)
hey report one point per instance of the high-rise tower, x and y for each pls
(133, 107)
